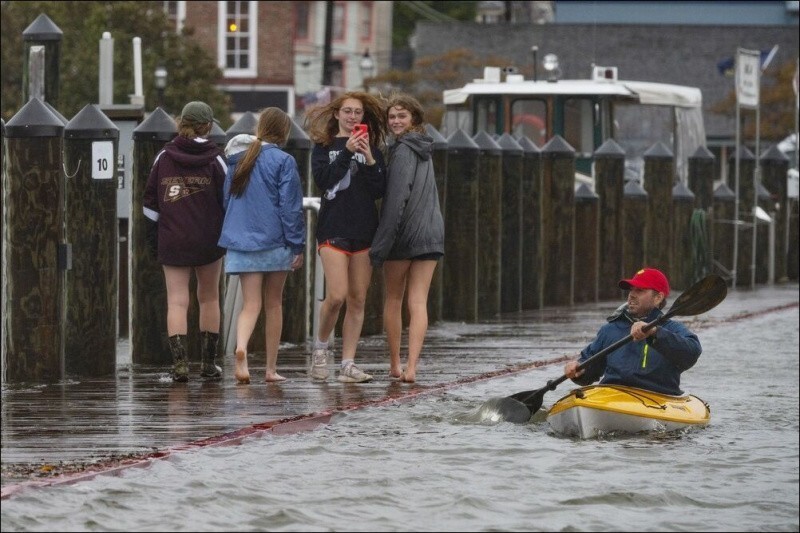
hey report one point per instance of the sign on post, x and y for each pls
(103, 160)
(748, 77)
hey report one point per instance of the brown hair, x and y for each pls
(273, 127)
(410, 104)
(323, 126)
(191, 129)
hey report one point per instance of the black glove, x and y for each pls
(151, 236)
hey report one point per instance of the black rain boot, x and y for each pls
(180, 363)
(208, 355)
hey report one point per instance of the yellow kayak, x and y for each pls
(598, 410)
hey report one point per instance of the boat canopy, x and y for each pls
(645, 92)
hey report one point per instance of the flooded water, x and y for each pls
(415, 466)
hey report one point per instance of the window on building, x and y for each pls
(237, 43)
(338, 21)
(302, 16)
(366, 21)
(176, 13)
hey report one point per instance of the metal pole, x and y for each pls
(326, 54)
(736, 201)
(756, 181)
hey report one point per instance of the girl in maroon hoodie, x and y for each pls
(183, 206)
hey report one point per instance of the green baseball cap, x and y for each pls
(199, 112)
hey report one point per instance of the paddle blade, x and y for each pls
(703, 296)
(531, 399)
(501, 410)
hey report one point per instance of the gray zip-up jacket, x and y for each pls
(411, 221)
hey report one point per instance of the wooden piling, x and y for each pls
(148, 328)
(722, 224)
(489, 246)
(634, 230)
(35, 254)
(43, 32)
(440, 170)
(609, 182)
(558, 223)
(531, 230)
(683, 267)
(586, 264)
(774, 166)
(91, 144)
(659, 172)
(460, 296)
(511, 225)
(747, 199)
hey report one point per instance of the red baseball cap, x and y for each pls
(647, 278)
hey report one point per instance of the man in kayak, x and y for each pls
(656, 358)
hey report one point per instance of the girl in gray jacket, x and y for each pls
(410, 236)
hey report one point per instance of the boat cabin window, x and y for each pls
(529, 118)
(579, 125)
(486, 110)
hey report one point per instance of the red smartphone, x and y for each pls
(358, 128)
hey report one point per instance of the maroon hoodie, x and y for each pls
(184, 195)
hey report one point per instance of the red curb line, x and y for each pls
(306, 422)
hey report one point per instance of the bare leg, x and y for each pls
(250, 283)
(208, 277)
(359, 274)
(273, 311)
(177, 282)
(394, 275)
(419, 283)
(335, 266)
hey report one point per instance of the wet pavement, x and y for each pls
(67, 432)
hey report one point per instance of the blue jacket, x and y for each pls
(653, 364)
(269, 214)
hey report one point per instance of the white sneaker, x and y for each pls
(319, 365)
(352, 374)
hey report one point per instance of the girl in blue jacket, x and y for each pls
(264, 230)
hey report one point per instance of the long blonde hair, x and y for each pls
(322, 125)
(273, 127)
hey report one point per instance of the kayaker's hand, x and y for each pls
(571, 370)
(638, 333)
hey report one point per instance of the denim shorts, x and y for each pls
(275, 260)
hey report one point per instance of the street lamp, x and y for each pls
(367, 67)
(161, 83)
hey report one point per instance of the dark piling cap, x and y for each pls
(610, 149)
(91, 123)
(528, 146)
(681, 192)
(558, 145)
(702, 153)
(217, 134)
(439, 142)
(298, 139)
(584, 193)
(658, 151)
(509, 145)
(246, 124)
(723, 192)
(159, 126)
(42, 29)
(486, 144)
(459, 141)
(634, 190)
(34, 120)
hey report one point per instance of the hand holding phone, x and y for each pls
(358, 128)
